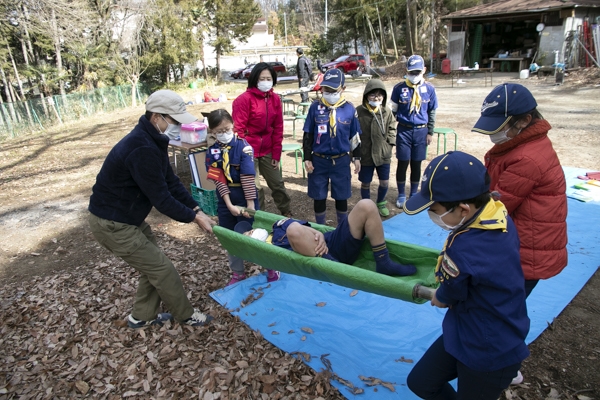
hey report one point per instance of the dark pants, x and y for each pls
(303, 82)
(430, 377)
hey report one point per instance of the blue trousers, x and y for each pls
(430, 377)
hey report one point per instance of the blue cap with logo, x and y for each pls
(503, 102)
(334, 79)
(415, 63)
(454, 176)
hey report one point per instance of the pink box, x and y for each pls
(193, 133)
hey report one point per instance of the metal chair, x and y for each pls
(445, 132)
(297, 149)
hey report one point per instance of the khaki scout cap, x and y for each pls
(170, 103)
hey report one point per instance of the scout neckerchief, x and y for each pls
(332, 108)
(374, 112)
(415, 102)
(492, 217)
(225, 152)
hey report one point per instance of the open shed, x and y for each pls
(512, 34)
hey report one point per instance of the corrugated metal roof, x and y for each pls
(520, 6)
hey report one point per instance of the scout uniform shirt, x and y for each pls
(413, 108)
(343, 136)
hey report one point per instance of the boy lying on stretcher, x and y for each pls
(342, 244)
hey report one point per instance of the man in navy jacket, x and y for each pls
(135, 177)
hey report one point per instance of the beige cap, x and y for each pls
(170, 103)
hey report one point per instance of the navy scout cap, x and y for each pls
(334, 79)
(415, 63)
(503, 102)
(454, 176)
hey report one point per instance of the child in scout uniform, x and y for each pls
(378, 138)
(343, 244)
(230, 165)
(331, 142)
(413, 102)
(481, 284)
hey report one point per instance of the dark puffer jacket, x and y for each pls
(378, 129)
(528, 175)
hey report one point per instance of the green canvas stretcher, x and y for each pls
(361, 275)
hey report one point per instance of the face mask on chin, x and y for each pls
(437, 219)
(332, 98)
(173, 132)
(225, 138)
(264, 86)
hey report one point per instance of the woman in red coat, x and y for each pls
(258, 118)
(527, 176)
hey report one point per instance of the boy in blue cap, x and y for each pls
(481, 284)
(413, 102)
(331, 137)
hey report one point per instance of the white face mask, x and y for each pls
(173, 131)
(332, 98)
(500, 137)
(415, 79)
(225, 137)
(374, 103)
(264, 86)
(437, 219)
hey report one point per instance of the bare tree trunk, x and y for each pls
(18, 77)
(382, 45)
(134, 81)
(409, 44)
(59, 65)
(9, 98)
(392, 30)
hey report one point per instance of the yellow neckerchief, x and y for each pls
(374, 112)
(332, 108)
(492, 217)
(225, 153)
(415, 102)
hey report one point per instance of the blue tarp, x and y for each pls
(374, 336)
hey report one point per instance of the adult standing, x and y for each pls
(304, 71)
(527, 177)
(413, 102)
(135, 177)
(258, 118)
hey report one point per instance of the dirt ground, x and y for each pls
(64, 297)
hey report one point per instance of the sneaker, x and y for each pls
(517, 380)
(197, 319)
(137, 324)
(273, 275)
(235, 278)
(383, 210)
(400, 201)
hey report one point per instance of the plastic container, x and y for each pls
(446, 67)
(206, 199)
(193, 133)
(524, 74)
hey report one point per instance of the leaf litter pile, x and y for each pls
(65, 335)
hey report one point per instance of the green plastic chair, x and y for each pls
(297, 149)
(445, 132)
(300, 114)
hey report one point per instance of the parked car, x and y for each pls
(238, 73)
(277, 66)
(350, 62)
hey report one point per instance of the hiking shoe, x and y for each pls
(517, 380)
(400, 202)
(383, 210)
(273, 275)
(197, 319)
(235, 278)
(137, 324)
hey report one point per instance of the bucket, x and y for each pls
(524, 74)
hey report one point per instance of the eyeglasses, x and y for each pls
(375, 95)
(225, 130)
